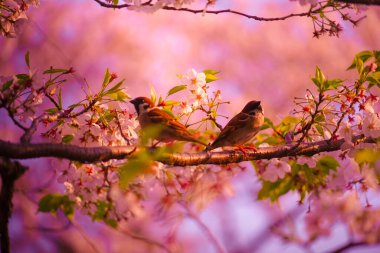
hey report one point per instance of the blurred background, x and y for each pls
(267, 61)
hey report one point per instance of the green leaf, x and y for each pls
(211, 72)
(50, 203)
(106, 80)
(376, 54)
(153, 94)
(359, 59)
(374, 79)
(53, 71)
(23, 76)
(60, 98)
(6, 85)
(176, 89)
(320, 118)
(367, 156)
(332, 84)
(27, 59)
(115, 88)
(119, 95)
(320, 129)
(287, 124)
(275, 190)
(151, 132)
(319, 78)
(211, 75)
(267, 124)
(133, 168)
(359, 65)
(115, 2)
(327, 163)
(67, 138)
(102, 208)
(364, 55)
(53, 202)
(112, 223)
(52, 111)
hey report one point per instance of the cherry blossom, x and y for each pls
(371, 125)
(275, 169)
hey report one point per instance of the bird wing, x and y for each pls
(160, 117)
(172, 128)
(238, 122)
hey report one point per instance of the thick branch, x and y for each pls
(96, 154)
(9, 172)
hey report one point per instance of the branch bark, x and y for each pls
(9, 172)
(365, 2)
(97, 154)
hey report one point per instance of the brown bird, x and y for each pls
(242, 128)
(149, 115)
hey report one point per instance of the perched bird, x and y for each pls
(242, 128)
(148, 115)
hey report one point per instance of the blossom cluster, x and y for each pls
(338, 185)
(13, 12)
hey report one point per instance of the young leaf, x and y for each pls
(332, 84)
(319, 78)
(52, 202)
(52, 111)
(267, 124)
(360, 58)
(6, 85)
(211, 75)
(153, 94)
(134, 167)
(176, 89)
(327, 163)
(276, 189)
(119, 95)
(106, 80)
(67, 139)
(210, 71)
(27, 59)
(53, 71)
(60, 98)
(367, 156)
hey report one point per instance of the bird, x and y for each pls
(148, 115)
(242, 128)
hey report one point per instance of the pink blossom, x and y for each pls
(275, 169)
(345, 131)
(310, 161)
(371, 125)
(194, 80)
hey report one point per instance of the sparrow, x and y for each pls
(242, 128)
(149, 115)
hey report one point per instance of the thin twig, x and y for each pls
(219, 248)
(202, 11)
(146, 240)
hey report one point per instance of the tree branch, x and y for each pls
(202, 11)
(348, 246)
(9, 172)
(97, 154)
(366, 2)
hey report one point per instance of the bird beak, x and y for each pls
(132, 101)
